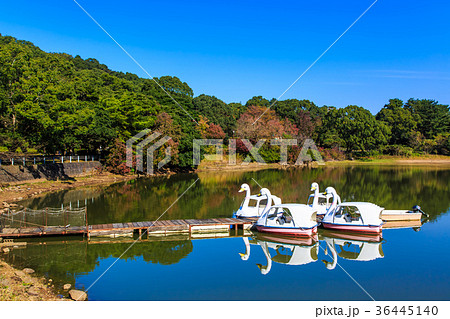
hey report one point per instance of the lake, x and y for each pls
(405, 264)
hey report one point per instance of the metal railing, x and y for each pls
(34, 160)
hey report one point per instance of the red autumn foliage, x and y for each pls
(259, 122)
(215, 131)
(116, 160)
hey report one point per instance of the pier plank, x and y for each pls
(159, 227)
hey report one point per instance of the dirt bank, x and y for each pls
(18, 285)
(13, 192)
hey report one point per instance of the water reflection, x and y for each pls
(301, 251)
(64, 260)
(351, 247)
(215, 194)
(283, 250)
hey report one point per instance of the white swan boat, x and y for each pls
(321, 201)
(287, 219)
(353, 216)
(253, 205)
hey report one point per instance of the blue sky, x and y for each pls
(238, 49)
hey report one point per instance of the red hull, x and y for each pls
(288, 231)
(354, 228)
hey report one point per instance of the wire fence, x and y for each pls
(61, 217)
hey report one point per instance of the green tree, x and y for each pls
(359, 130)
(434, 117)
(400, 120)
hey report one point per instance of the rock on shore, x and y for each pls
(78, 295)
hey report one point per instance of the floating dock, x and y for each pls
(157, 228)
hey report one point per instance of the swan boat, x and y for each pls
(253, 205)
(287, 219)
(353, 216)
(321, 202)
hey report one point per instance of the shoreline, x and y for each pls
(12, 192)
(395, 161)
(22, 285)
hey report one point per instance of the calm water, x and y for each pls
(405, 264)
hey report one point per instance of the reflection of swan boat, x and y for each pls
(253, 205)
(376, 238)
(287, 219)
(350, 248)
(305, 241)
(287, 253)
(402, 224)
(353, 216)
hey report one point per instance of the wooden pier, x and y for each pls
(152, 228)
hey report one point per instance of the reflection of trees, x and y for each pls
(65, 260)
(65, 197)
(216, 193)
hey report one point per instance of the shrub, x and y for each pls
(116, 159)
(398, 150)
(332, 154)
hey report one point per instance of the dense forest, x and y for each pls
(55, 103)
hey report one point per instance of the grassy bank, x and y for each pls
(440, 160)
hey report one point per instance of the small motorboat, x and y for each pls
(353, 216)
(351, 248)
(403, 215)
(321, 201)
(254, 205)
(287, 219)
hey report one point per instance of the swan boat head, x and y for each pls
(245, 188)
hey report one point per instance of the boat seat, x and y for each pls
(288, 219)
(348, 218)
(284, 219)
